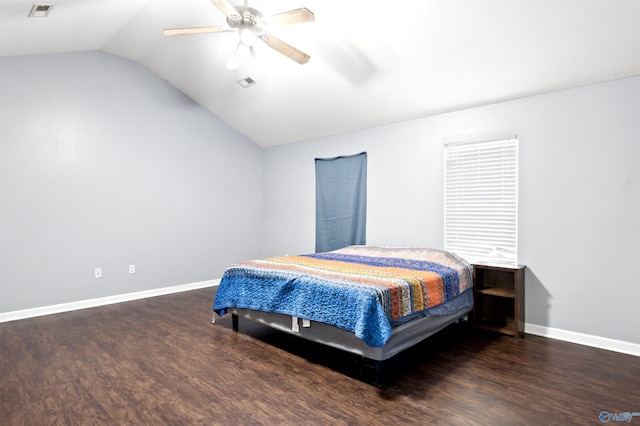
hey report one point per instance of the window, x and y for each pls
(481, 200)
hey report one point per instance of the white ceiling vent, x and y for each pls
(246, 82)
(40, 10)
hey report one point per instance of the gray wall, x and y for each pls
(103, 164)
(579, 217)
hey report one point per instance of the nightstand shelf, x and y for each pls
(499, 292)
(499, 298)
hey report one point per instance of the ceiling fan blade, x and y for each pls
(296, 16)
(286, 49)
(195, 30)
(228, 9)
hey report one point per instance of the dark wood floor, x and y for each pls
(160, 361)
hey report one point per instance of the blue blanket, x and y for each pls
(355, 289)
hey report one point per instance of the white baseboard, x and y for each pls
(92, 303)
(584, 339)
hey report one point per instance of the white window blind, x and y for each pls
(481, 200)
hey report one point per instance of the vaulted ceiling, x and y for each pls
(372, 62)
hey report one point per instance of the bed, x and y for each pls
(368, 300)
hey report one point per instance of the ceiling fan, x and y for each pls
(252, 25)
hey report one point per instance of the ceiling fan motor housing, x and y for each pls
(249, 18)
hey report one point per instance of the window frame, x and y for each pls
(481, 200)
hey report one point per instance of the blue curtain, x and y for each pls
(341, 201)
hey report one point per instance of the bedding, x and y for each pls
(365, 290)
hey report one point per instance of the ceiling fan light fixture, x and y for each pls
(248, 37)
(240, 58)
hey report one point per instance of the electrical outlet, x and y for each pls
(97, 273)
(132, 269)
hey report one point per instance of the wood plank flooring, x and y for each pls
(159, 361)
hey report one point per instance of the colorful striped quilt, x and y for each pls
(361, 289)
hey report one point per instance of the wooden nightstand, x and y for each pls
(499, 298)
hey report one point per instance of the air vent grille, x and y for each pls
(246, 82)
(40, 10)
